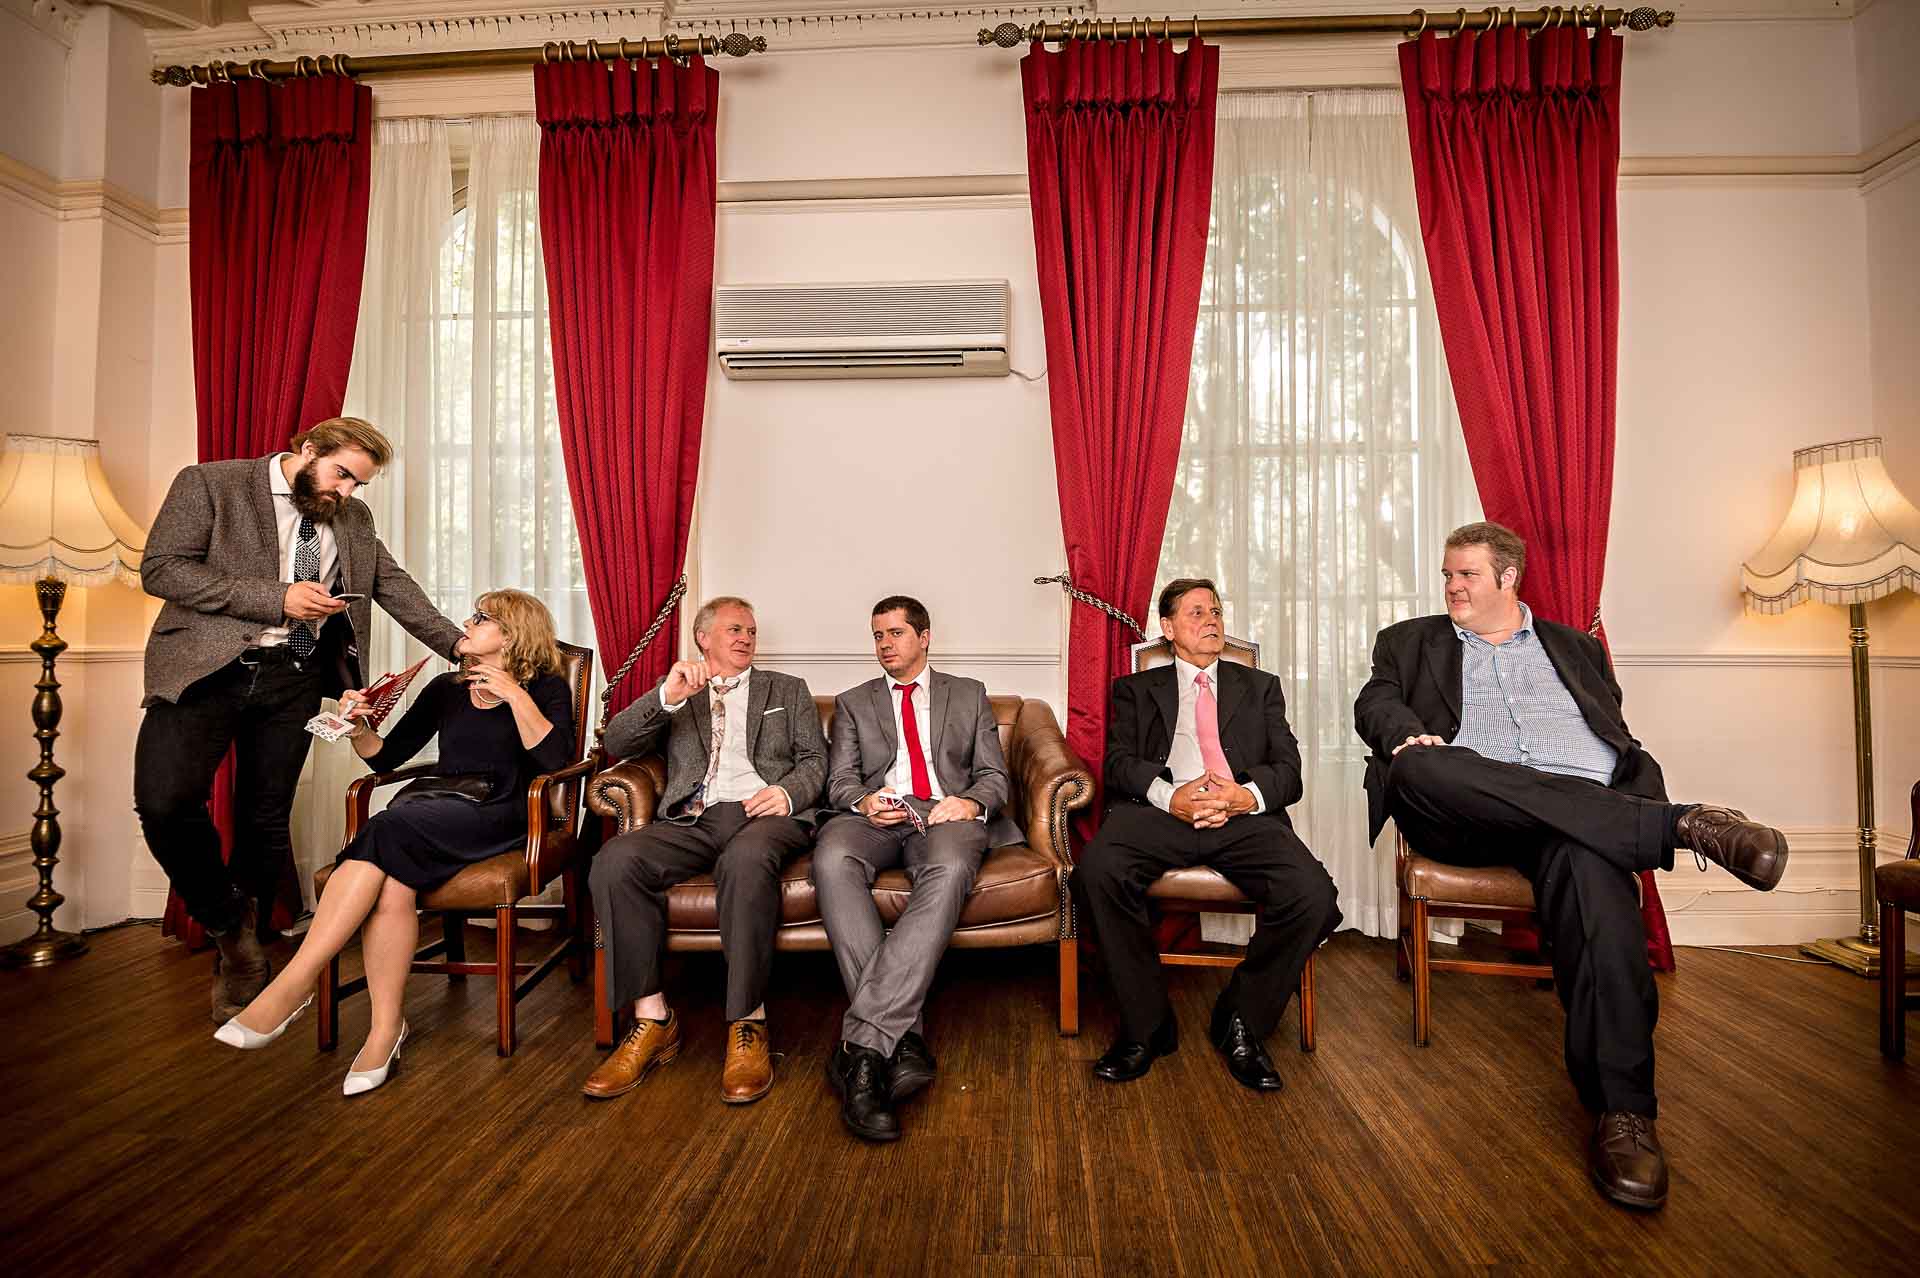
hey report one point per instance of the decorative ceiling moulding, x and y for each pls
(55, 19)
(402, 26)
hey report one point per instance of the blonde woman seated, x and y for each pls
(504, 718)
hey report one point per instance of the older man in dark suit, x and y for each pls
(918, 781)
(1497, 739)
(268, 567)
(1201, 767)
(745, 758)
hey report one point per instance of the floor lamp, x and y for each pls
(1849, 538)
(59, 526)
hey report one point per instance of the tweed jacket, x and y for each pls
(783, 739)
(214, 556)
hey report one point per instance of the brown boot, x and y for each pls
(647, 1045)
(748, 1074)
(241, 969)
(1753, 853)
(1626, 1161)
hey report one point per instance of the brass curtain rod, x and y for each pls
(673, 47)
(1009, 35)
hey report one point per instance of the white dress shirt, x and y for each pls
(287, 522)
(1183, 760)
(735, 781)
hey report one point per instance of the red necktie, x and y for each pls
(910, 729)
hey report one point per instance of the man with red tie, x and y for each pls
(1201, 767)
(916, 780)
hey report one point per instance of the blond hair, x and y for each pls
(335, 433)
(531, 648)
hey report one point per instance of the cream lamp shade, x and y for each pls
(1849, 538)
(58, 517)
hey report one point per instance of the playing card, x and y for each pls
(385, 692)
(329, 726)
(895, 801)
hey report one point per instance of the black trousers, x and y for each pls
(1259, 854)
(632, 873)
(261, 711)
(1581, 844)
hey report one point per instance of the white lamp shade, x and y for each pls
(59, 519)
(1849, 538)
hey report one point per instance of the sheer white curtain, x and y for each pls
(1322, 463)
(452, 361)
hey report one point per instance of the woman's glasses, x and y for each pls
(478, 618)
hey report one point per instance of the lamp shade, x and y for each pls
(1849, 538)
(59, 519)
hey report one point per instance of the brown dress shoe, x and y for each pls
(647, 1045)
(748, 1074)
(241, 969)
(1626, 1161)
(1753, 853)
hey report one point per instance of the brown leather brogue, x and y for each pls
(748, 1074)
(648, 1045)
(241, 969)
(1626, 1161)
(1753, 853)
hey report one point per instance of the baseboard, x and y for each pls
(146, 903)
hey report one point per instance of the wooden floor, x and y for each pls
(131, 1143)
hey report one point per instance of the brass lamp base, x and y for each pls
(1857, 956)
(43, 948)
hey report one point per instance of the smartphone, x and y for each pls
(348, 598)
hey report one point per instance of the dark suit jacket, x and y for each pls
(1254, 735)
(1416, 687)
(965, 746)
(783, 738)
(214, 556)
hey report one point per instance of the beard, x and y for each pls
(309, 500)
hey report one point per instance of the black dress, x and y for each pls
(426, 841)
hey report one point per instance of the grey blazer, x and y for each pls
(214, 556)
(965, 748)
(783, 739)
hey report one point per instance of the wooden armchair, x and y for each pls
(495, 886)
(1896, 886)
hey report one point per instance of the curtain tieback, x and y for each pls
(1092, 601)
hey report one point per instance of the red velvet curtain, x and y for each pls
(627, 196)
(277, 224)
(1516, 156)
(1120, 170)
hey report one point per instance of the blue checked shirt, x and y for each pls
(1514, 709)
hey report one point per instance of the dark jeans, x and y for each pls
(261, 711)
(1259, 854)
(1580, 843)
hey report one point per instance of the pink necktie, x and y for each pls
(1206, 726)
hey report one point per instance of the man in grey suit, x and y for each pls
(918, 781)
(267, 566)
(745, 756)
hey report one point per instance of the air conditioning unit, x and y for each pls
(944, 328)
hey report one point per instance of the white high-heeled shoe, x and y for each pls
(365, 1080)
(234, 1034)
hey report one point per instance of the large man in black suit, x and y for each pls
(1497, 739)
(1200, 769)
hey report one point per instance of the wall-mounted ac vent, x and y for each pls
(945, 328)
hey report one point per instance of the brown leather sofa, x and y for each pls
(1018, 898)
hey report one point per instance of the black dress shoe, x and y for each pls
(1753, 853)
(1128, 1059)
(1626, 1161)
(1247, 1058)
(912, 1067)
(859, 1074)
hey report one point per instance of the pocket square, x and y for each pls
(775, 710)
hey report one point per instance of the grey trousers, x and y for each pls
(632, 873)
(887, 975)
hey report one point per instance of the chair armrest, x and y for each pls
(628, 792)
(1051, 778)
(550, 846)
(360, 792)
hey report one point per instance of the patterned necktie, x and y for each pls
(717, 711)
(306, 567)
(1206, 726)
(910, 732)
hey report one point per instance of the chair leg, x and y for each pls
(1306, 1006)
(1069, 985)
(453, 929)
(1401, 968)
(576, 924)
(1893, 981)
(327, 1002)
(504, 976)
(1422, 975)
(602, 1014)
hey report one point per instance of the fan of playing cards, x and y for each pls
(382, 696)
